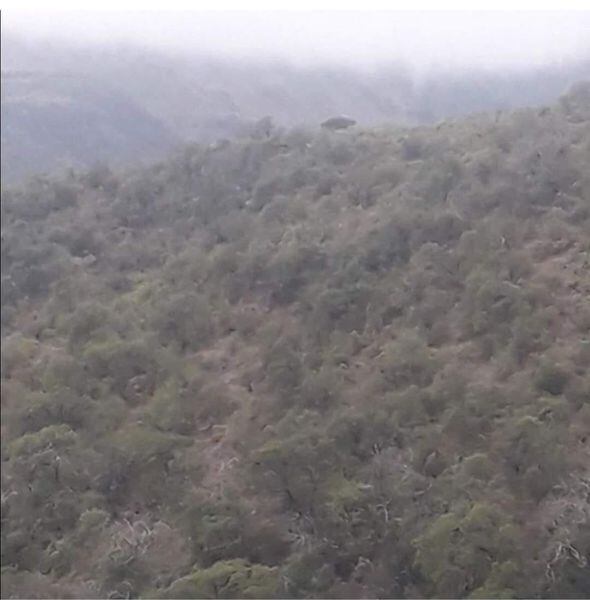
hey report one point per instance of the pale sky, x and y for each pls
(419, 38)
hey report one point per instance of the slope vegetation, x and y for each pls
(342, 364)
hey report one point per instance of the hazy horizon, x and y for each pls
(420, 40)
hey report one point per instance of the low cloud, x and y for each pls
(418, 39)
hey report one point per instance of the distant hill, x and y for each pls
(308, 364)
(63, 105)
(57, 120)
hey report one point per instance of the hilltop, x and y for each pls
(305, 364)
(75, 106)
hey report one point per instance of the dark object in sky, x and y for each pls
(334, 123)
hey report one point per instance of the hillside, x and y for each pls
(77, 105)
(59, 120)
(309, 364)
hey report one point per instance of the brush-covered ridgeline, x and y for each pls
(327, 364)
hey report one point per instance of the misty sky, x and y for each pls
(421, 39)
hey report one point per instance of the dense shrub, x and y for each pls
(334, 364)
(551, 378)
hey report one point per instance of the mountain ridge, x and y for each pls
(175, 100)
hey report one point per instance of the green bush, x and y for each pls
(283, 366)
(227, 579)
(184, 319)
(457, 554)
(535, 458)
(86, 320)
(119, 361)
(551, 378)
(407, 361)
